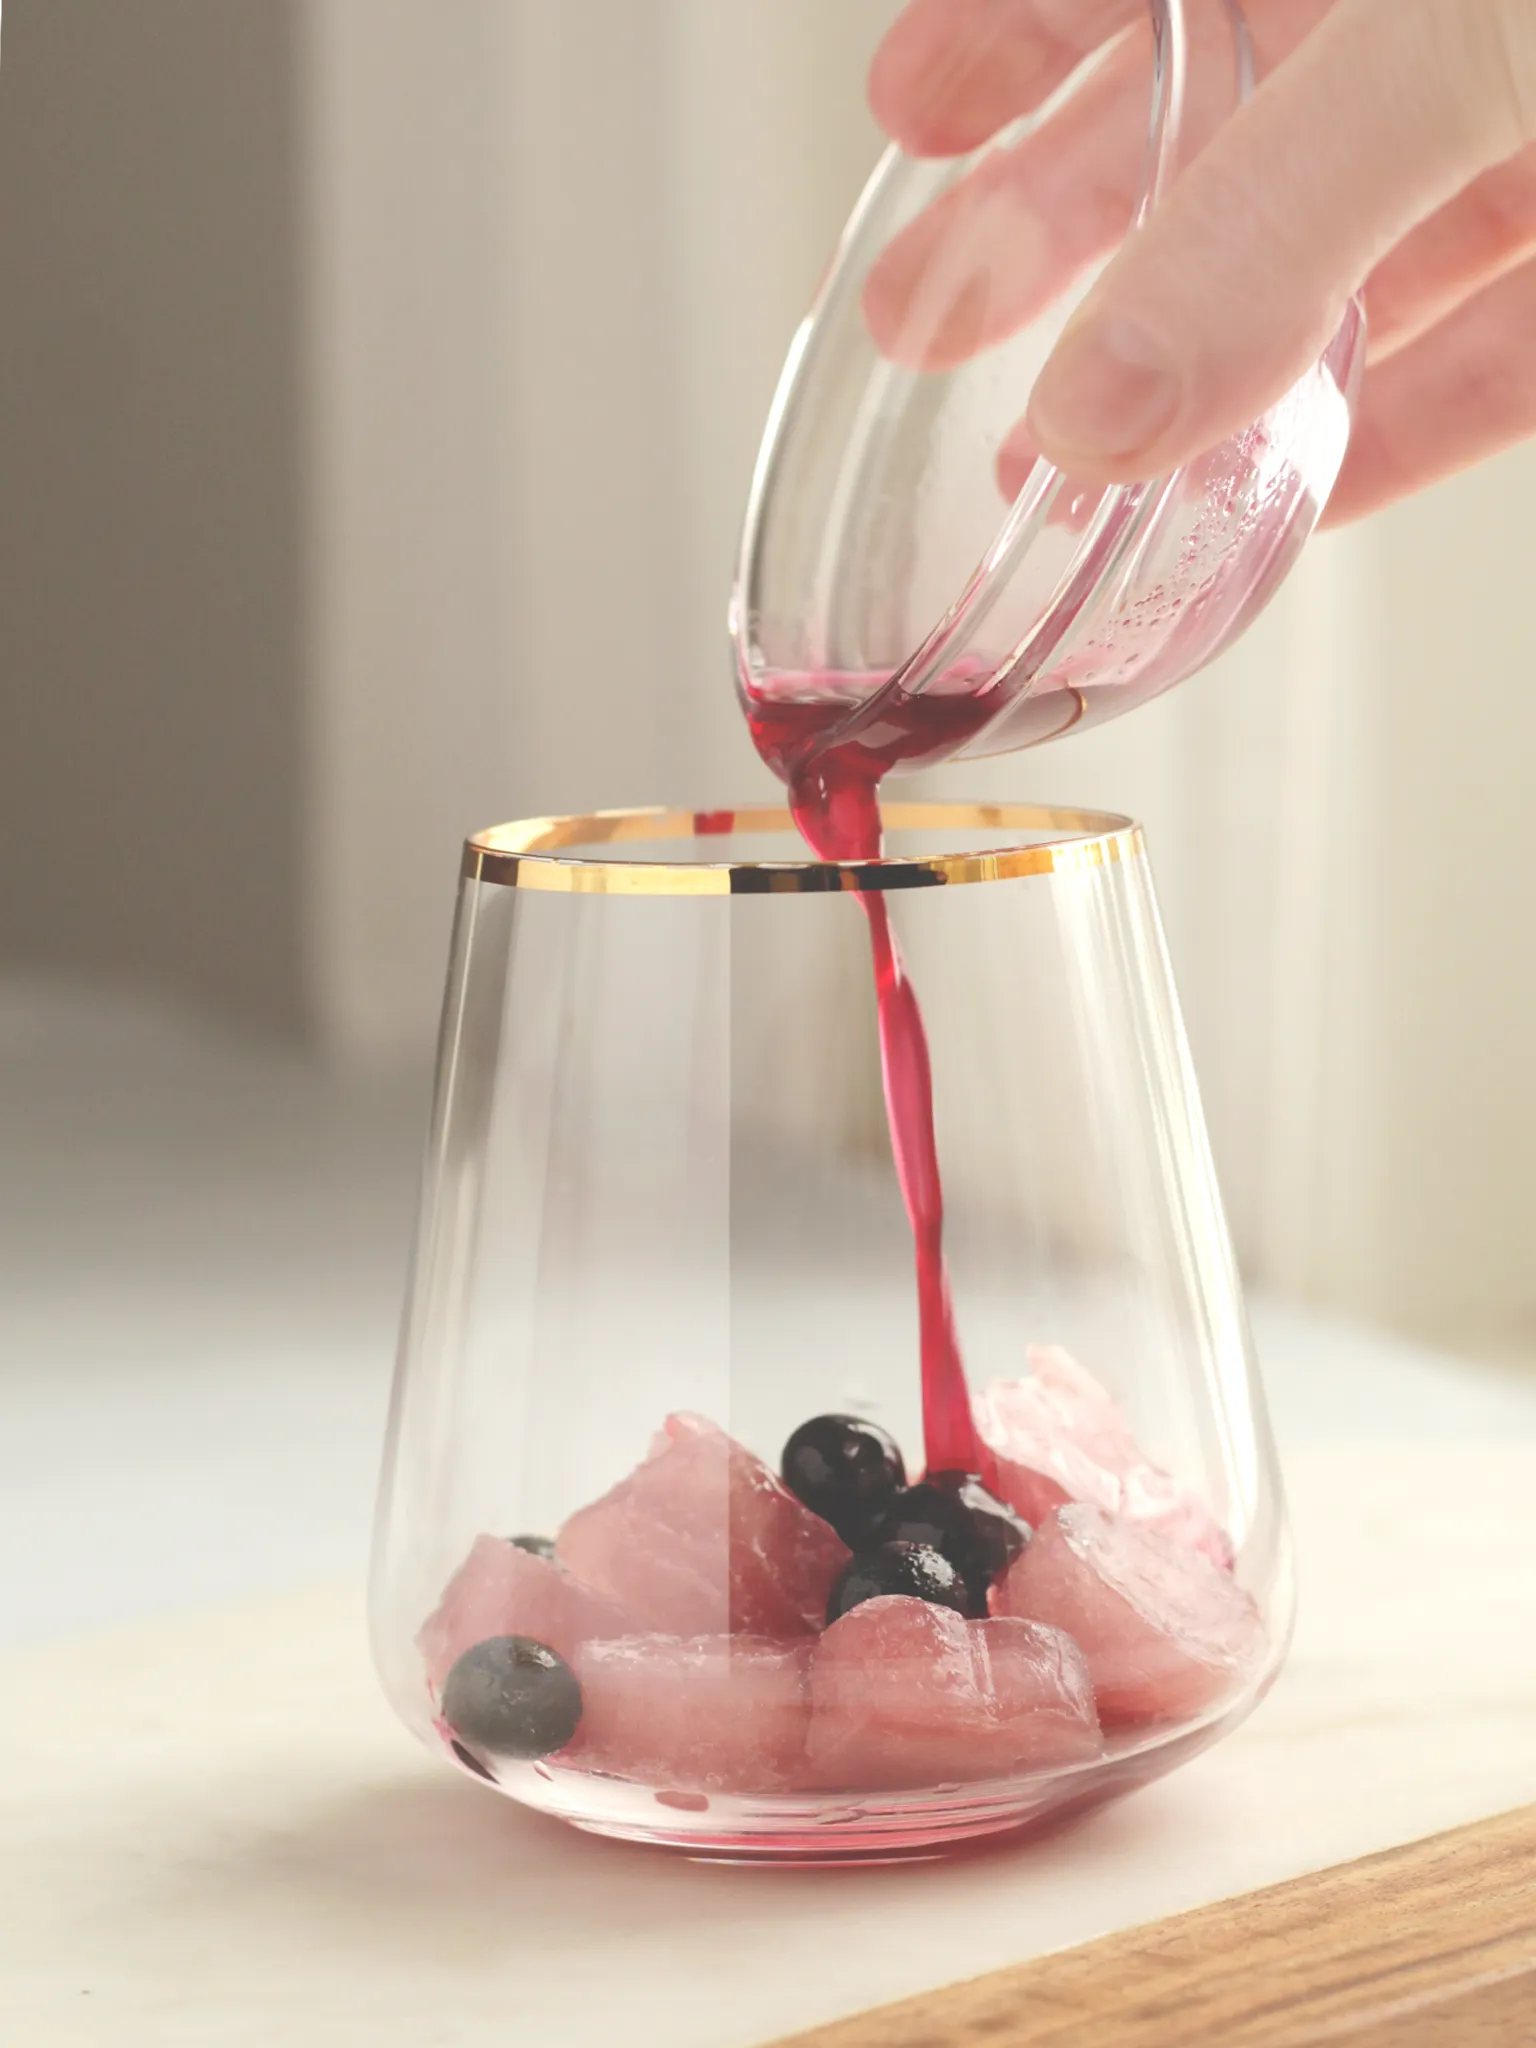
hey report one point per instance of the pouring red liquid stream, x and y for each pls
(834, 794)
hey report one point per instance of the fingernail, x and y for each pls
(1109, 391)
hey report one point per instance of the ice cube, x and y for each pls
(907, 1695)
(1059, 1436)
(697, 1714)
(500, 1590)
(1166, 1632)
(702, 1539)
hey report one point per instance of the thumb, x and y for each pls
(1239, 280)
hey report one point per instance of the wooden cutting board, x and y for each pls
(1432, 1946)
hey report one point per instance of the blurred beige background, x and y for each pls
(379, 381)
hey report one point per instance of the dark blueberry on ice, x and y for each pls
(844, 1469)
(954, 1514)
(512, 1698)
(536, 1546)
(909, 1570)
(1001, 1534)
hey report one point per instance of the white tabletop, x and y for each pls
(215, 1835)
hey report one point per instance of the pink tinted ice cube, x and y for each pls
(701, 1714)
(500, 1590)
(905, 1695)
(1167, 1633)
(1059, 1436)
(702, 1540)
(1043, 1692)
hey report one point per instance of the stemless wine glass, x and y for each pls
(914, 579)
(662, 1234)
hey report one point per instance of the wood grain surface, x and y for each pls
(1432, 1946)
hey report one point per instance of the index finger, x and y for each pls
(951, 73)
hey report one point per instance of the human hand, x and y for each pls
(1388, 148)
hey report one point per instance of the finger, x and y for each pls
(1240, 279)
(951, 73)
(1277, 26)
(981, 262)
(1016, 461)
(1460, 393)
(1071, 508)
(1485, 232)
(994, 252)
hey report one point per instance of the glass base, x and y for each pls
(857, 1830)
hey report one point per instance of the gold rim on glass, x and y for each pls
(533, 854)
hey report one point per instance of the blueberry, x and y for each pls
(954, 1514)
(844, 1469)
(911, 1570)
(512, 1698)
(1001, 1533)
(536, 1546)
